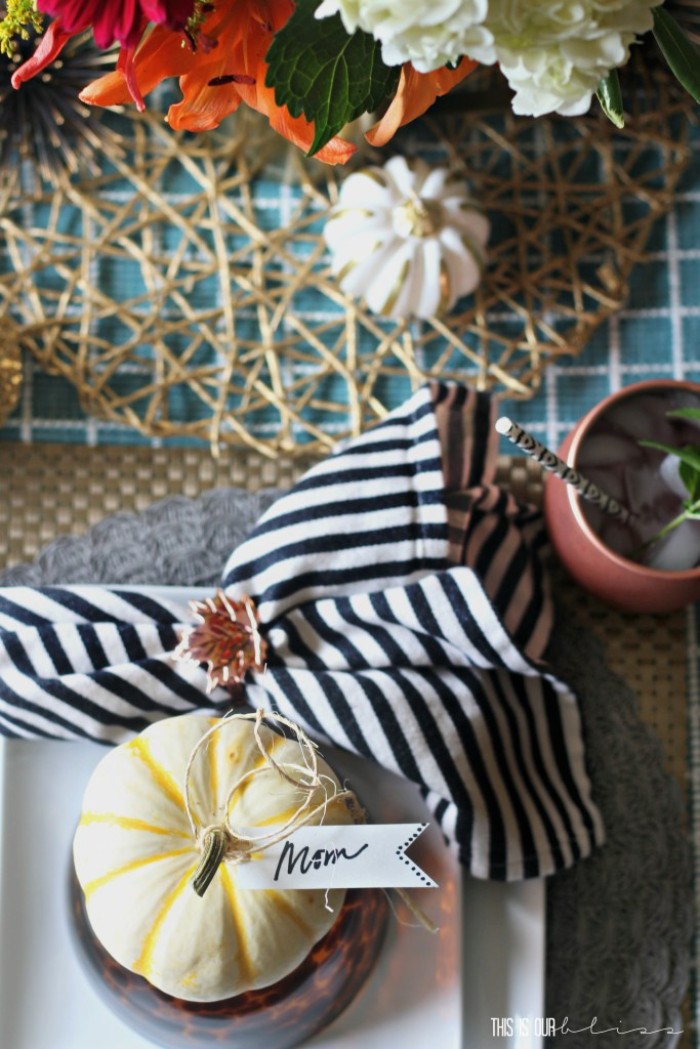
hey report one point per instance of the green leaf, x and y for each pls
(669, 449)
(322, 73)
(690, 476)
(691, 455)
(609, 95)
(687, 454)
(683, 60)
(684, 413)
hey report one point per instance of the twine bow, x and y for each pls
(222, 840)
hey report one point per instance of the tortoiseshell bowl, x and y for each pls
(280, 1016)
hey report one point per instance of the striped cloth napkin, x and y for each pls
(403, 603)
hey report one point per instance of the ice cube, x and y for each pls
(612, 532)
(644, 488)
(605, 448)
(642, 418)
(609, 480)
(677, 551)
(669, 472)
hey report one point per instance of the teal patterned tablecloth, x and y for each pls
(656, 334)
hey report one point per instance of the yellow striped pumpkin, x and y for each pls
(135, 854)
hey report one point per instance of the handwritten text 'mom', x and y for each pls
(306, 861)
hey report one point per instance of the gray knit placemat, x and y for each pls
(618, 924)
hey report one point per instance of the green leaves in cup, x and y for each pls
(688, 470)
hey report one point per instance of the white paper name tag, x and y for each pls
(340, 857)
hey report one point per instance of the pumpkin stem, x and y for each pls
(213, 849)
(416, 217)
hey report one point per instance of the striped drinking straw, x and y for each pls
(549, 461)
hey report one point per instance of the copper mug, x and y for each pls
(608, 575)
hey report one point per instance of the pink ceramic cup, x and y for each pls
(595, 567)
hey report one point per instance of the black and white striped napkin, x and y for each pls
(406, 614)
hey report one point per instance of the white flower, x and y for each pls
(555, 54)
(427, 33)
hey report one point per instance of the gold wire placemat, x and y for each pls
(183, 287)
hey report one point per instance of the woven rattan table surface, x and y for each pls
(52, 490)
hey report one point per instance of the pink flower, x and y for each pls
(111, 20)
(117, 20)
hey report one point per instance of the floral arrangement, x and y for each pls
(314, 66)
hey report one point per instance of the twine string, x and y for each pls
(304, 776)
(418, 913)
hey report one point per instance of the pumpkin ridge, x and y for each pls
(221, 762)
(236, 915)
(259, 763)
(92, 886)
(143, 963)
(353, 263)
(292, 810)
(281, 901)
(271, 745)
(139, 746)
(278, 817)
(129, 823)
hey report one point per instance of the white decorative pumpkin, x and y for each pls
(406, 238)
(135, 854)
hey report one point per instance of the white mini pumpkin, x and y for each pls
(135, 854)
(406, 238)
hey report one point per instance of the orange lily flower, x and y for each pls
(415, 95)
(227, 68)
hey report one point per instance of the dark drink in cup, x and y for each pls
(645, 480)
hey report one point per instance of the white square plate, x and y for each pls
(485, 964)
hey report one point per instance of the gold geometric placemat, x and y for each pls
(183, 286)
